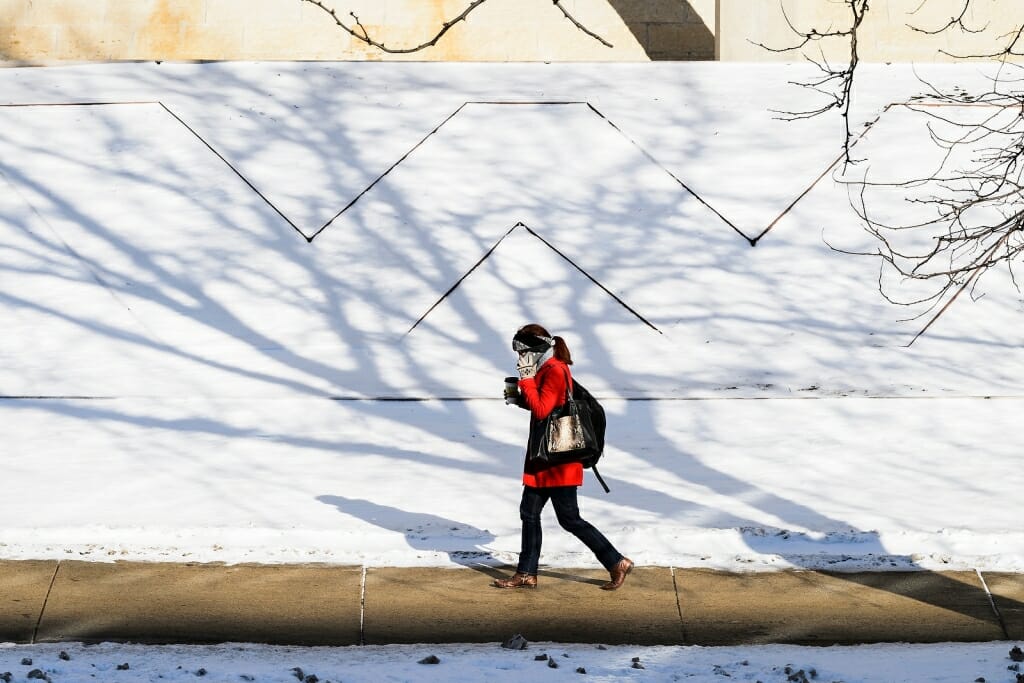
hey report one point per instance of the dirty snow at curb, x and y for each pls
(894, 663)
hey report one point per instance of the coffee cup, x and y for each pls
(511, 390)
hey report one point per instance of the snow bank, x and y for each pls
(207, 287)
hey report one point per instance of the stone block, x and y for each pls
(203, 41)
(253, 12)
(818, 608)
(23, 589)
(64, 12)
(14, 12)
(91, 42)
(680, 41)
(130, 15)
(160, 41)
(28, 42)
(296, 41)
(197, 603)
(648, 11)
(460, 605)
(1008, 595)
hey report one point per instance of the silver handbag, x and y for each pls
(566, 433)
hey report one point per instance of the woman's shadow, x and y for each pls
(465, 545)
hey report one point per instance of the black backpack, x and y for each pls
(593, 416)
(597, 419)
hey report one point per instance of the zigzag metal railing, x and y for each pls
(309, 238)
(410, 151)
(575, 265)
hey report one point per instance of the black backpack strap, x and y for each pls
(569, 397)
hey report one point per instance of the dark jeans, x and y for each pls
(568, 512)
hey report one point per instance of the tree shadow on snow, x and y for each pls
(464, 544)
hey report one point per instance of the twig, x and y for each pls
(957, 21)
(836, 84)
(558, 4)
(358, 31)
(364, 35)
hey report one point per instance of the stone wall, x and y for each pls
(498, 30)
(42, 31)
(887, 35)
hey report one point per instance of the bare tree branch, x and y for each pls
(358, 31)
(558, 4)
(1014, 47)
(957, 21)
(364, 35)
(964, 217)
(971, 215)
(837, 83)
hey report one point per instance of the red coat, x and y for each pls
(542, 394)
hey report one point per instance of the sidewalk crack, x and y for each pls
(53, 579)
(992, 603)
(362, 608)
(679, 605)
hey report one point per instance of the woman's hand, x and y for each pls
(528, 363)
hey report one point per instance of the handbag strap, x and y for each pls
(568, 385)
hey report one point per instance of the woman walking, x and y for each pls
(545, 380)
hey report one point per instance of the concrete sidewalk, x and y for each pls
(46, 601)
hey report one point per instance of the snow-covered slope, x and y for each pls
(210, 273)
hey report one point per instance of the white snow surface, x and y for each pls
(893, 663)
(200, 327)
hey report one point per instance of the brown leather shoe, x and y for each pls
(517, 580)
(619, 573)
